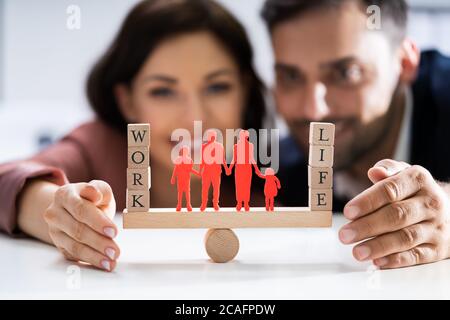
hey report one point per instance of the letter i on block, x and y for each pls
(320, 169)
(138, 171)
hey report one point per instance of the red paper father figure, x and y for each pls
(182, 172)
(213, 158)
(243, 161)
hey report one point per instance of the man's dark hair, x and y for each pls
(393, 12)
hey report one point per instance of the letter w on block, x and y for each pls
(138, 135)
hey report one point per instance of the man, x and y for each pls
(213, 158)
(387, 102)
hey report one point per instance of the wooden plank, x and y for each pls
(282, 217)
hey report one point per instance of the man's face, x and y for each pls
(330, 67)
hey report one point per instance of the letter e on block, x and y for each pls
(321, 199)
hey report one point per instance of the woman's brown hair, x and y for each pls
(149, 23)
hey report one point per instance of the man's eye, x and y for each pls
(351, 75)
(288, 77)
(218, 88)
(161, 92)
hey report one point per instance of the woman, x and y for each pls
(171, 63)
(243, 162)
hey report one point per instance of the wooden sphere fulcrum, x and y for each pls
(221, 245)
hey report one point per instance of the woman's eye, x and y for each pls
(161, 92)
(218, 88)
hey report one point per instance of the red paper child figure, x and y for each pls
(271, 187)
(213, 158)
(182, 173)
(243, 161)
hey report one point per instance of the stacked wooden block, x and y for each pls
(138, 171)
(320, 169)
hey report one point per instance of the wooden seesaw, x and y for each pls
(221, 243)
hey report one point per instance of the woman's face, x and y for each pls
(188, 77)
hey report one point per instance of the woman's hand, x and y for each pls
(403, 219)
(80, 223)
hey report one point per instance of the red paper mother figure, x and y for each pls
(243, 161)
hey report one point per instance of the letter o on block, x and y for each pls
(138, 157)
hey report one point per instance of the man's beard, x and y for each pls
(364, 138)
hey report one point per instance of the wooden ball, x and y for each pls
(221, 245)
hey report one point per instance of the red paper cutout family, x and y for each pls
(210, 171)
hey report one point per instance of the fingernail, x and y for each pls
(389, 170)
(362, 252)
(381, 262)
(106, 265)
(111, 253)
(351, 212)
(347, 235)
(109, 232)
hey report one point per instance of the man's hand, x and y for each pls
(403, 219)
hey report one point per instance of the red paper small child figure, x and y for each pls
(182, 172)
(271, 187)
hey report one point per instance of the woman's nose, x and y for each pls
(194, 107)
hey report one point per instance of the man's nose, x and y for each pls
(315, 105)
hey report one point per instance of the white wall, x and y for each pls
(43, 64)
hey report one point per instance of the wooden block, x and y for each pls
(138, 157)
(138, 135)
(227, 218)
(320, 178)
(138, 200)
(321, 156)
(221, 245)
(321, 133)
(138, 179)
(321, 199)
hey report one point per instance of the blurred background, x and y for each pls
(44, 63)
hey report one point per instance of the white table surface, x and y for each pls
(172, 264)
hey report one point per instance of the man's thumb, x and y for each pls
(385, 168)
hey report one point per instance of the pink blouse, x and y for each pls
(94, 150)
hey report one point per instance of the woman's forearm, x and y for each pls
(32, 202)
